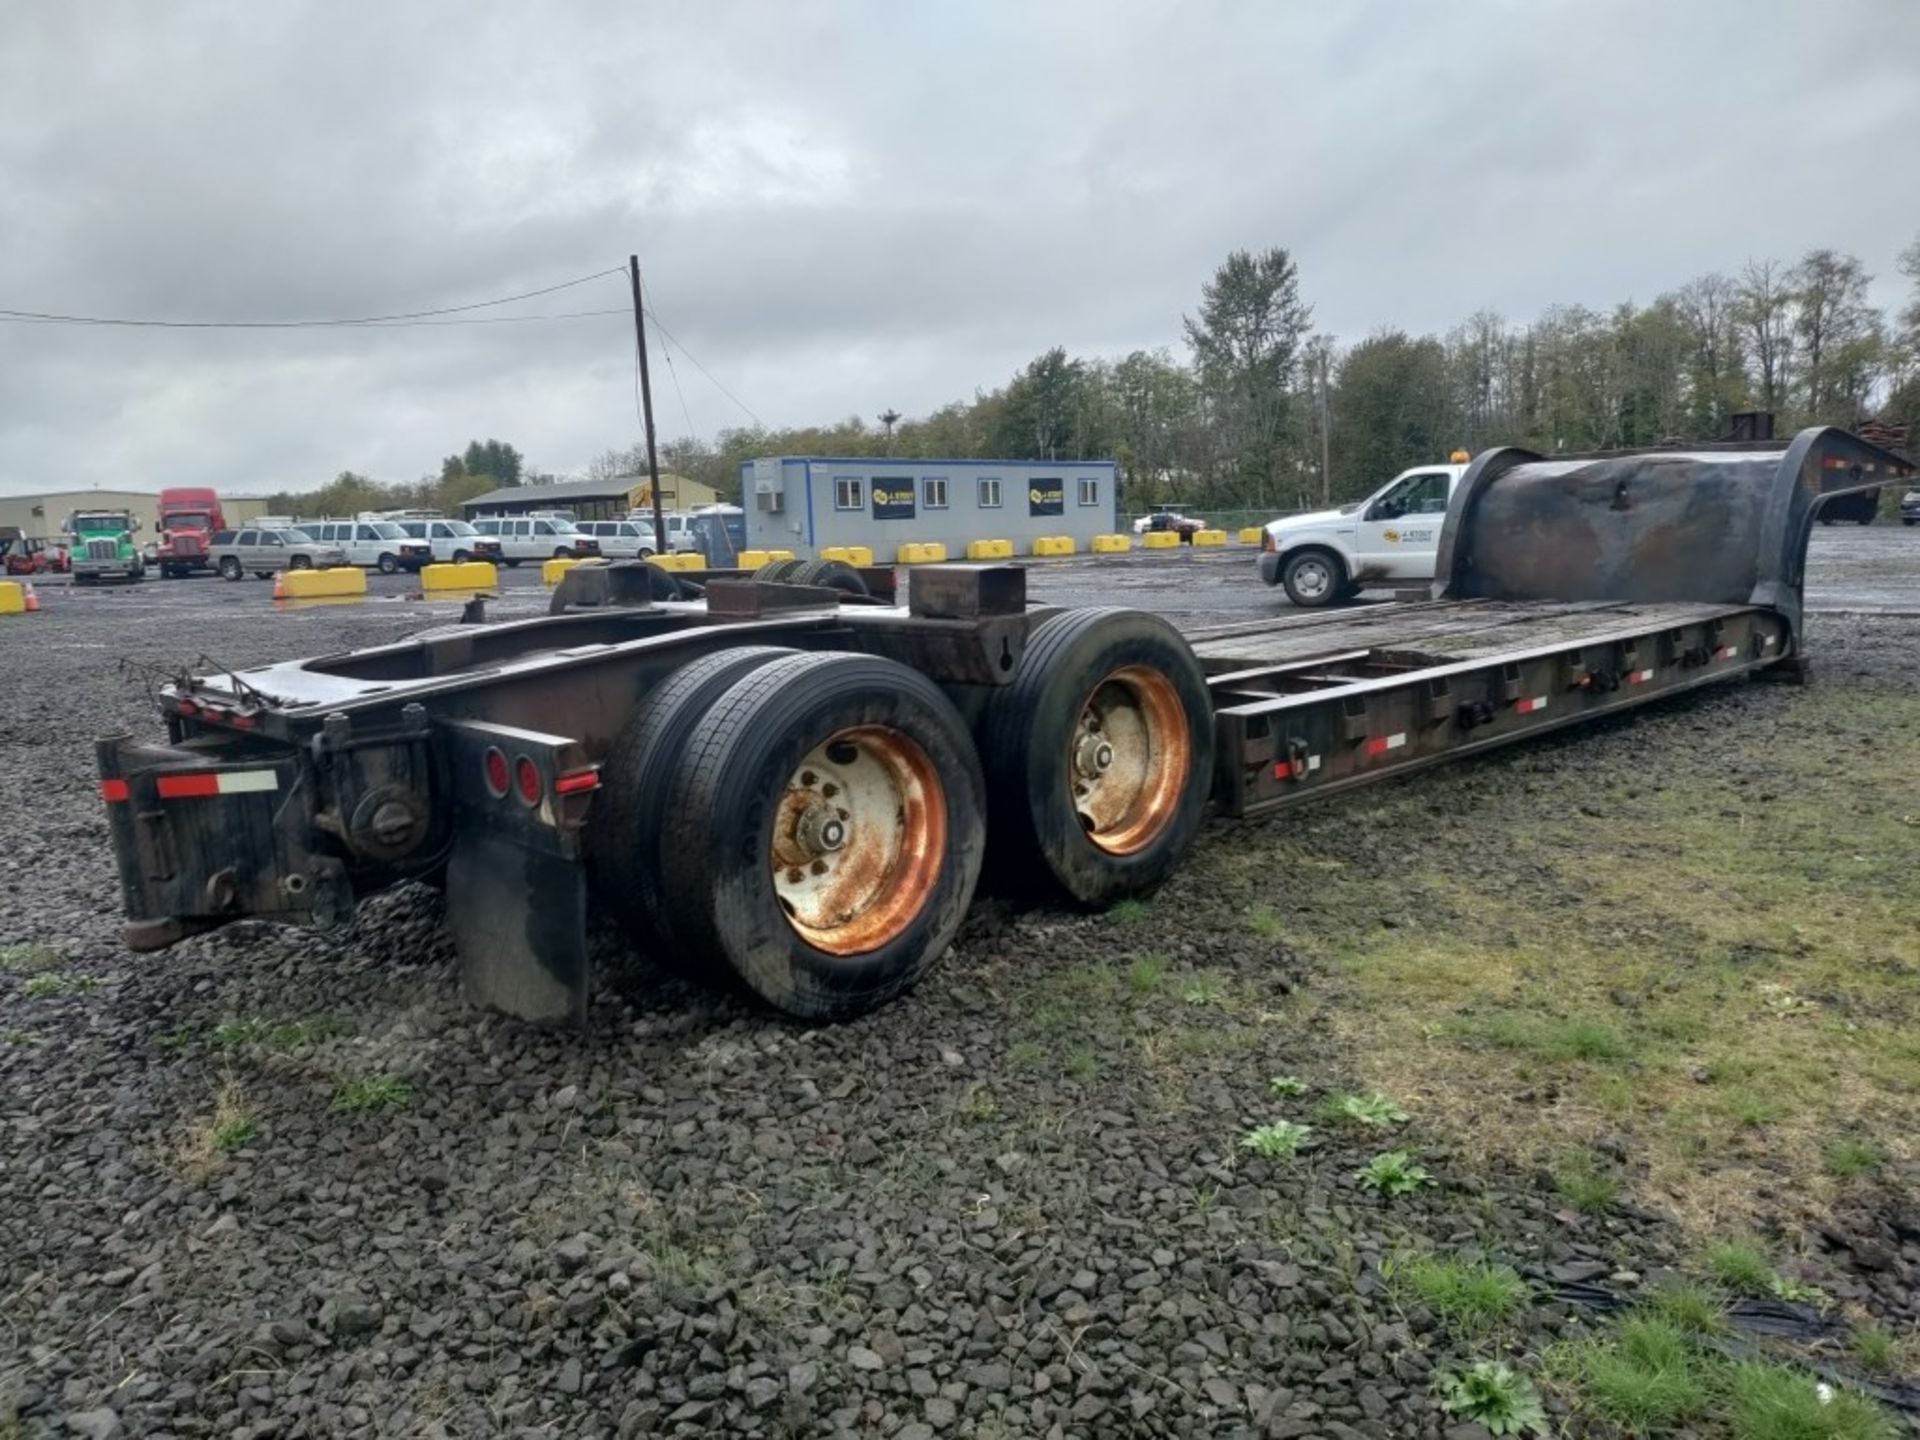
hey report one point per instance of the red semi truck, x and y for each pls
(189, 517)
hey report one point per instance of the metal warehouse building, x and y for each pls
(805, 503)
(590, 499)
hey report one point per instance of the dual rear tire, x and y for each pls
(814, 825)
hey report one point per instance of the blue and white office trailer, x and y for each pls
(806, 503)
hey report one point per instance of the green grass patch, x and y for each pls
(1687, 1307)
(370, 1094)
(1583, 1184)
(1776, 1402)
(1083, 1063)
(1146, 973)
(1646, 1377)
(1849, 1159)
(1286, 1086)
(12, 1036)
(45, 986)
(1741, 1266)
(1026, 1054)
(27, 959)
(1128, 912)
(1874, 1349)
(1469, 1296)
(1263, 921)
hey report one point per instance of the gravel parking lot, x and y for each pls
(272, 1183)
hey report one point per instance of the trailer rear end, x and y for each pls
(797, 787)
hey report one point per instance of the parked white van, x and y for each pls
(453, 541)
(377, 544)
(537, 537)
(621, 539)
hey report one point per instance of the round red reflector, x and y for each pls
(496, 765)
(527, 775)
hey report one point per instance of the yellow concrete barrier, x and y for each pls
(1160, 540)
(336, 583)
(1112, 544)
(849, 554)
(553, 571)
(13, 598)
(467, 575)
(990, 549)
(921, 553)
(1053, 545)
(678, 562)
(1209, 538)
(1252, 534)
(754, 559)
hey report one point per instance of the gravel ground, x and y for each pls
(270, 1183)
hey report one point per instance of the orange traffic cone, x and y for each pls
(279, 584)
(33, 599)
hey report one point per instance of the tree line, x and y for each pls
(1262, 411)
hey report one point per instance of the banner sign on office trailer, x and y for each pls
(1046, 497)
(892, 499)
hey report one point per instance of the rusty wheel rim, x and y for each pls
(1128, 759)
(859, 839)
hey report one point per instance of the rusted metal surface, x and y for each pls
(859, 838)
(1128, 760)
(966, 592)
(1716, 524)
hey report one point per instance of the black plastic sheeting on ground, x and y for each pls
(1766, 1320)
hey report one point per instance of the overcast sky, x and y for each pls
(846, 206)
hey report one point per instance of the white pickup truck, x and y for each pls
(1325, 556)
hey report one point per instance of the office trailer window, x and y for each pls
(849, 493)
(933, 492)
(1089, 491)
(989, 492)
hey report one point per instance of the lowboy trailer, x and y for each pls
(796, 784)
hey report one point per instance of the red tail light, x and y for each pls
(526, 775)
(496, 772)
(577, 782)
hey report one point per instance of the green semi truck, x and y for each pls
(103, 547)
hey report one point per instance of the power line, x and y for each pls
(693, 360)
(45, 317)
(673, 374)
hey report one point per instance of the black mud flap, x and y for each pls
(516, 888)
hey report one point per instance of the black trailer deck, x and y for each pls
(798, 785)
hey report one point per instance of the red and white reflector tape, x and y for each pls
(1531, 704)
(113, 790)
(201, 784)
(1283, 769)
(1767, 642)
(1725, 652)
(1380, 744)
(1639, 677)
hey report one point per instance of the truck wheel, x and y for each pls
(460, 557)
(1099, 755)
(1314, 578)
(230, 568)
(389, 564)
(624, 827)
(823, 833)
(779, 571)
(831, 574)
(299, 562)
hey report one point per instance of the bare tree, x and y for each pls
(1836, 332)
(1764, 307)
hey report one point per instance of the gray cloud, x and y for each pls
(844, 207)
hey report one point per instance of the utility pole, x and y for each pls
(889, 417)
(646, 408)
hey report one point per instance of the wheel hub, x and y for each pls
(858, 841)
(1130, 758)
